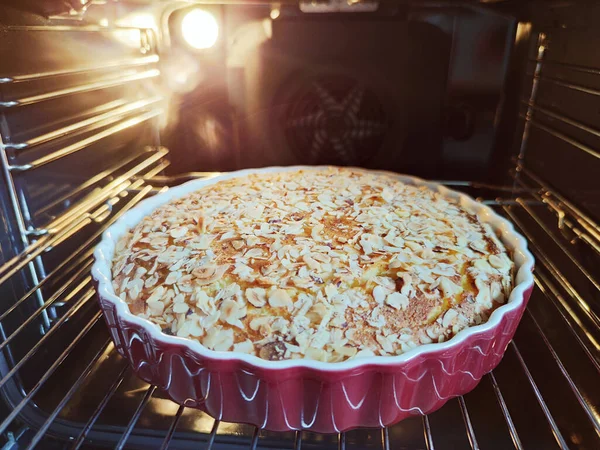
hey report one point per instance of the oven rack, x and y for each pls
(560, 414)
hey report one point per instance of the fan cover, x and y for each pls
(334, 120)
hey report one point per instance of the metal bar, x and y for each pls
(84, 261)
(506, 201)
(55, 296)
(19, 216)
(123, 180)
(254, 442)
(561, 136)
(80, 145)
(138, 412)
(180, 178)
(46, 336)
(172, 427)
(551, 267)
(555, 430)
(544, 284)
(427, 431)
(298, 440)
(80, 89)
(564, 119)
(478, 185)
(595, 421)
(541, 51)
(565, 250)
(385, 439)
(512, 430)
(468, 423)
(67, 397)
(148, 176)
(563, 221)
(574, 67)
(16, 409)
(100, 109)
(90, 124)
(213, 433)
(572, 86)
(80, 70)
(102, 176)
(582, 219)
(16, 263)
(342, 441)
(92, 420)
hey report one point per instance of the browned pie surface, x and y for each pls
(320, 264)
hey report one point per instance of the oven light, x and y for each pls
(200, 29)
(275, 11)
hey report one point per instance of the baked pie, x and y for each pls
(324, 264)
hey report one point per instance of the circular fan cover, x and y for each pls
(334, 120)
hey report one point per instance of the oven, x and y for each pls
(104, 103)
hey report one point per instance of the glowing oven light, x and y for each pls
(200, 29)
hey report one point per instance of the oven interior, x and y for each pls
(104, 103)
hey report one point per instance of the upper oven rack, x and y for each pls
(144, 179)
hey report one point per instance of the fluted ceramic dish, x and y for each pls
(303, 394)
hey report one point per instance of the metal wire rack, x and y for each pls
(520, 377)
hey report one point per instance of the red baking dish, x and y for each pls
(374, 391)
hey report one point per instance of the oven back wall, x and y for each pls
(410, 90)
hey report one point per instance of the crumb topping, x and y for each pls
(320, 264)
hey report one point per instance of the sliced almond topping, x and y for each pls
(256, 296)
(244, 347)
(180, 308)
(178, 232)
(397, 300)
(279, 298)
(379, 294)
(216, 265)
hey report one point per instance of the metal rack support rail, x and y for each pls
(107, 174)
(547, 288)
(78, 303)
(89, 87)
(563, 137)
(19, 219)
(84, 143)
(562, 83)
(565, 223)
(131, 62)
(551, 267)
(592, 229)
(66, 226)
(574, 67)
(90, 124)
(562, 118)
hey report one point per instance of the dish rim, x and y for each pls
(522, 257)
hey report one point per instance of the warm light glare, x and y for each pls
(141, 20)
(200, 29)
(275, 12)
